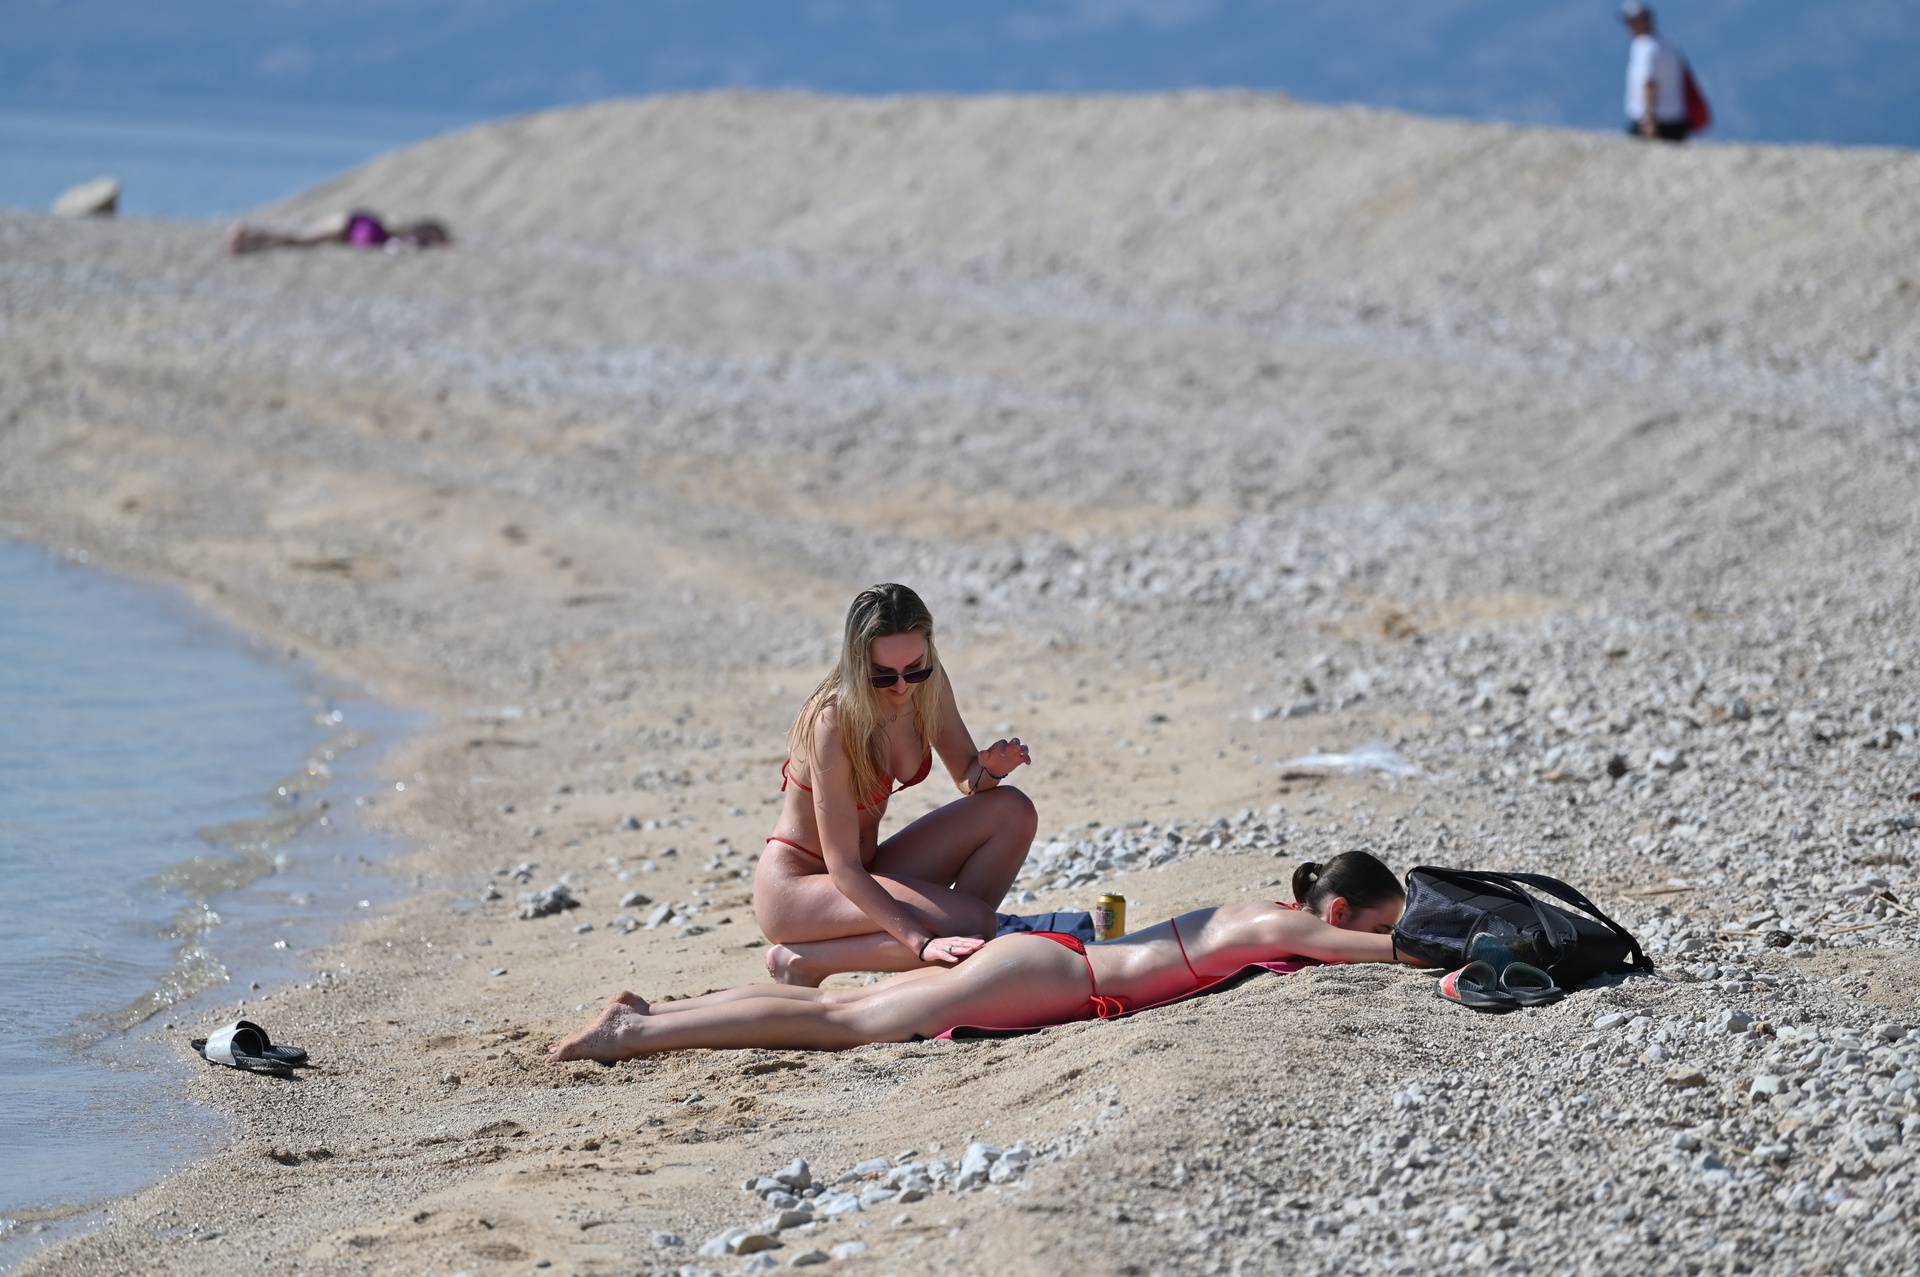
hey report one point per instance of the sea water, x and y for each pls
(171, 833)
(180, 162)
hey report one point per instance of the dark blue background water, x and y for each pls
(1777, 70)
(132, 726)
(204, 108)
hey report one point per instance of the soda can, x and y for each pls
(1109, 917)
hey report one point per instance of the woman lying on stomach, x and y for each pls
(1343, 912)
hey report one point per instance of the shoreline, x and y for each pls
(257, 942)
(627, 498)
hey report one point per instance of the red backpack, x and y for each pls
(1699, 114)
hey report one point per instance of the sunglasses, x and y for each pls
(887, 678)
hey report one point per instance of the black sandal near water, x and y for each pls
(244, 1045)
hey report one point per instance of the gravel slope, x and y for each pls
(1216, 430)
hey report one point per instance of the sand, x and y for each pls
(1215, 430)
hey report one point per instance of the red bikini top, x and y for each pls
(879, 799)
(1288, 962)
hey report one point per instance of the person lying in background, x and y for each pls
(355, 229)
(1343, 911)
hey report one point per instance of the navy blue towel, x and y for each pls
(1073, 923)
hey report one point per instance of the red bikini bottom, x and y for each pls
(1098, 1006)
(788, 842)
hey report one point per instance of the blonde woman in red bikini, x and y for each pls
(829, 892)
(1343, 911)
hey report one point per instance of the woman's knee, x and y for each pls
(857, 1023)
(1014, 811)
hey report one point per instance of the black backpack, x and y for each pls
(1447, 907)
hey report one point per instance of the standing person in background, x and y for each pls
(1656, 80)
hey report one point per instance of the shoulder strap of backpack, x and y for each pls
(1569, 895)
(1469, 877)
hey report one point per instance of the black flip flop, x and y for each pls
(285, 1054)
(1529, 986)
(1476, 986)
(244, 1045)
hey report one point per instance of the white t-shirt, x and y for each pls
(1651, 58)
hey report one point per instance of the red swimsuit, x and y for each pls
(878, 800)
(1101, 1007)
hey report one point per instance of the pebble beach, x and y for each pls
(1225, 437)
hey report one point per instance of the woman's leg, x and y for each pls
(796, 993)
(1014, 981)
(620, 1032)
(242, 238)
(809, 963)
(801, 906)
(977, 844)
(799, 909)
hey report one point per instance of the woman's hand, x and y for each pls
(949, 949)
(1001, 757)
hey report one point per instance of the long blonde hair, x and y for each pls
(877, 612)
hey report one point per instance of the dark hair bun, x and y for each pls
(1355, 876)
(1303, 879)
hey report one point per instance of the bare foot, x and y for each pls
(633, 1000)
(242, 239)
(788, 967)
(610, 1037)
